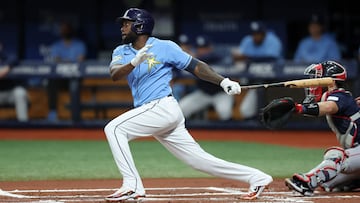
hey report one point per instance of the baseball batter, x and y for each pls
(340, 168)
(147, 63)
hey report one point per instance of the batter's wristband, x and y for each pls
(311, 109)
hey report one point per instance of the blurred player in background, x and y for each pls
(340, 168)
(12, 91)
(262, 45)
(318, 46)
(186, 44)
(147, 63)
(178, 88)
(68, 49)
(207, 94)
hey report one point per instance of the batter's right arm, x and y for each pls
(117, 72)
(203, 71)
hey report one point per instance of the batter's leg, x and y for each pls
(180, 143)
(157, 117)
(118, 142)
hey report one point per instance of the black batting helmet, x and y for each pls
(143, 21)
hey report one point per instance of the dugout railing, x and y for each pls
(87, 106)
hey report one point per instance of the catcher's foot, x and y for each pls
(299, 186)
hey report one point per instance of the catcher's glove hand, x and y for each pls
(276, 114)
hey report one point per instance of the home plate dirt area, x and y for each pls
(180, 190)
(169, 190)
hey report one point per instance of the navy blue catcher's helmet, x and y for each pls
(143, 21)
(327, 69)
(334, 70)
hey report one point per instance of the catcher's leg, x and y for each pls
(348, 179)
(324, 172)
(342, 182)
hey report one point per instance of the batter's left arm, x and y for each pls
(205, 72)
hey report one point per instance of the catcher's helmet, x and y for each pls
(143, 21)
(327, 69)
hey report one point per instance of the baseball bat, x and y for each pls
(314, 82)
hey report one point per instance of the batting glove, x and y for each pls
(141, 56)
(230, 87)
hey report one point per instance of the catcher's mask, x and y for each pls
(325, 69)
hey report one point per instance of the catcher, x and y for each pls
(340, 168)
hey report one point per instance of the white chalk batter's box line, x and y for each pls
(219, 195)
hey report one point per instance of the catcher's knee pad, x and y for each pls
(335, 156)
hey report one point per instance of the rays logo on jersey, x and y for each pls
(151, 61)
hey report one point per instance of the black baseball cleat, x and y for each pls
(299, 186)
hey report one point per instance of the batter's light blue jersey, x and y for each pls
(151, 79)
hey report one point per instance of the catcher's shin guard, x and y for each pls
(328, 169)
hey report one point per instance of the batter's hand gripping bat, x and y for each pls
(314, 82)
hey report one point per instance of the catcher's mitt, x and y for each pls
(276, 114)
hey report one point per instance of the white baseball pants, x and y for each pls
(163, 119)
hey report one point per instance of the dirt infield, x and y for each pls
(179, 190)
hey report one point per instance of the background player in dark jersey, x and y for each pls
(340, 168)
